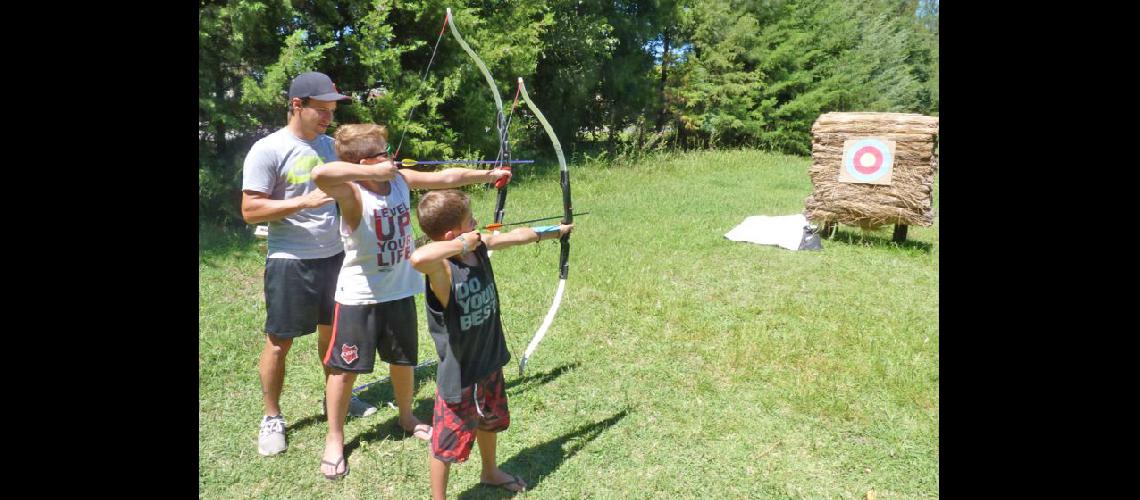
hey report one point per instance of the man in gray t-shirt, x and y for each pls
(305, 251)
(277, 170)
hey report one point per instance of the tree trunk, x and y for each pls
(681, 134)
(613, 125)
(640, 133)
(668, 38)
(219, 124)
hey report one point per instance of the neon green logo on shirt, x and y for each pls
(299, 174)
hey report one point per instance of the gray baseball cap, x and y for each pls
(317, 86)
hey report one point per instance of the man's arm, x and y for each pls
(257, 207)
(450, 178)
(259, 173)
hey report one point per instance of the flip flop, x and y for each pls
(335, 475)
(514, 480)
(424, 434)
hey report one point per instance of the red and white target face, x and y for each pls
(867, 161)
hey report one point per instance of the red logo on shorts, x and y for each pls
(348, 353)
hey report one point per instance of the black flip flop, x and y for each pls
(335, 475)
(514, 480)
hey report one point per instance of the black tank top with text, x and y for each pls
(468, 333)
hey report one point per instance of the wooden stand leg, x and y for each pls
(900, 233)
(828, 229)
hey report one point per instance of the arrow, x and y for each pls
(492, 227)
(412, 163)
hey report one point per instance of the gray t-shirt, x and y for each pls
(279, 165)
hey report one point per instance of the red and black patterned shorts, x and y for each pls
(483, 406)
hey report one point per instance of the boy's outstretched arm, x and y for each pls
(524, 235)
(335, 175)
(429, 260)
(335, 178)
(451, 178)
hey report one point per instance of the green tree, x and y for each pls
(233, 39)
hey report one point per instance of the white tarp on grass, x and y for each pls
(785, 231)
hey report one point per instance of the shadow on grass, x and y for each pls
(858, 237)
(536, 379)
(380, 392)
(534, 464)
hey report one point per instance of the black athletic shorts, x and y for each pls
(299, 294)
(359, 332)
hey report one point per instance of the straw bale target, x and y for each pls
(872, 169)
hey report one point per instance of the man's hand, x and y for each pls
(314, 199)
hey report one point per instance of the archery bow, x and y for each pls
(564, 241)
(502, 124)
(504, 153)
(501, 184)
(500, 121)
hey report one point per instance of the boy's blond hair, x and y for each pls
(441, 211)
(358, 141)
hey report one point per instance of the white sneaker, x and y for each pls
(271, 437)
(356, 407)
(360, 408)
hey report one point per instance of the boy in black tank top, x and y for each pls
(463, 318)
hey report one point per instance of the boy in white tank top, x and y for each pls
(376, 288)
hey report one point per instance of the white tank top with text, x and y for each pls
(376, 255)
